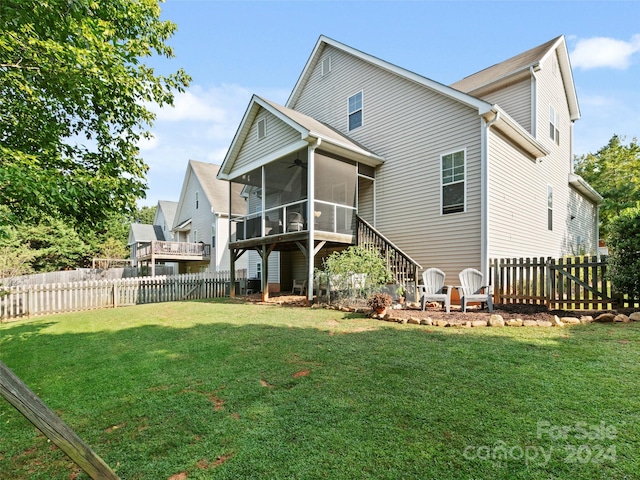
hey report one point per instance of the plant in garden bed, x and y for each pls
(379, 301)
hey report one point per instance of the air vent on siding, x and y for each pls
(262, 128)
(326, 65)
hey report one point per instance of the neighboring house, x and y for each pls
(435, 175)
(202, 218)
(165, 213)
(141, 234)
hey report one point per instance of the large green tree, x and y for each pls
(74, 98)
(614, 171)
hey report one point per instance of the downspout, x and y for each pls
(534, 100)
(484, 198)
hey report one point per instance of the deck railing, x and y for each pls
(403, 268)
(173, 249)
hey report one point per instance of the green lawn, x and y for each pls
(224, 390)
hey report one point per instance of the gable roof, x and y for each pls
(520, 66)
(311, 131)
(142, 232)
(168, 209)
(216, 191)
(316, 54)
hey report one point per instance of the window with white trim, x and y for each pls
(549, 207)
(262, 128)
(213, 235)
(554, 125)
(355, 111)
(453, 182)
(326, 65)
(197, 201)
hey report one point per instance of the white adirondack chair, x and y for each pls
(472, 289)
(300, 285)
(433, 288)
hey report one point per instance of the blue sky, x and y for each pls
(233, 49)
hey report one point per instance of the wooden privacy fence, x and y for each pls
(572, 283)
(30, 300)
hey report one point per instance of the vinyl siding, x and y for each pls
(253, 258)
(582, 226)
(514, 99)
(558, 163)
(279, 135)
(518, 203)
(410, 126)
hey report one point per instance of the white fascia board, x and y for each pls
(482, 106)
(346, 149)
(567, 75)
(580, 184)
(293, 147)
(518, 134)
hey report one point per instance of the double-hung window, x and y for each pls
(453, 184)
(549, 207)
(355, 111)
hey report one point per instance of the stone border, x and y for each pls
(496, 320)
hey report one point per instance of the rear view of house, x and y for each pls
(437, 176)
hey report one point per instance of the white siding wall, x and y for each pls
(253, 258)
(161, 221)
(581, 237)
(410, 126)
(279, 135)
(518, 203)
(558, 163)
(515, 100)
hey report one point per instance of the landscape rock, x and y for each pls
(496, 321)
(441, 322)
(467, 324)
(514, 322)
(414, 321)
(605, 318)
(586, 319)
(635, 317)
(478, 323)
(544, 323)
(621, 318)
(530, 323)
(570, 320)
(426, 321)
(556, 322)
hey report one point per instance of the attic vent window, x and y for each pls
(355, 111)
(262, 128)
(326, 65)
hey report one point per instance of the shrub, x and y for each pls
(357, 259)
(623, 266)
(379, 301)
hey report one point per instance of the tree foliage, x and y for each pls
(614, 171)
(357, 259)
(624, 247)
(73, 104)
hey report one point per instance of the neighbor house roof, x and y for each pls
(216, 191)
(142, 233)
(168, 209)
(521, 66)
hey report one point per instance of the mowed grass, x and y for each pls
(225, 390)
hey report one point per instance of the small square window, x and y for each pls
(355, 111)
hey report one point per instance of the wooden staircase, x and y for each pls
(403, 268)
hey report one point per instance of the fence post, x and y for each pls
(548, 283)
(29, 404)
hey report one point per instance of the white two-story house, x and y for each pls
(440, 176)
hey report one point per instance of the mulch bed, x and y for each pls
(524, 312)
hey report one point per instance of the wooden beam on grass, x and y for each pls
(29, 404)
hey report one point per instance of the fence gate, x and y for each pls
(572, 283)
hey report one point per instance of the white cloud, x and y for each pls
(604, 52)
